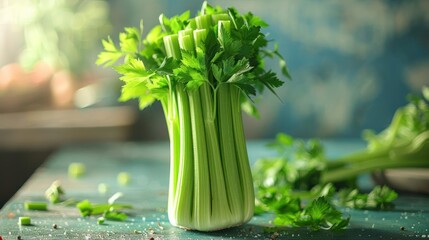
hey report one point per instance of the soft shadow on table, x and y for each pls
(246, 231)
(251, 231)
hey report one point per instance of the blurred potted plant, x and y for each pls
(60, 36)
(42, 90)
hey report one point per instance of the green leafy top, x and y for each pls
(231, 51)
(408, 122)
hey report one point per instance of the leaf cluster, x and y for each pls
(299, 164)
(226, 56)
(110, 210)
(408, 122)
(290, 186)
(380, 198)
(289, 209)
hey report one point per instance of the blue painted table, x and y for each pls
(148, 165)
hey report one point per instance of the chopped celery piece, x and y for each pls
(25, 221)
(42, 206)
(87, 208)
(55, 192)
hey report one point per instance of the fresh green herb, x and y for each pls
(124, 178)
(202, 70)
(283, 182)
(381, 197)
(109, 211)
(55, 192)
(76, 169)
(321, 214)
(288, 208)
(299, 164)
(25, 221)
(42, 206)
(87, 208)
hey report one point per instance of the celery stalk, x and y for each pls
(202, 191)
(242, 157)
(229, 157)
(199, 69)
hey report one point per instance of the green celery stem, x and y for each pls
(199, 36)
(170, 109)
(203, 21)
(244, 170)
(217, 178)
(228, 149)
(355, 158)
(172, 48)
(214, 188)
(202, 190)
(219, 17)
(411, 154)
(211, 185)
(186, 40)
(337, 175)
(184, 199)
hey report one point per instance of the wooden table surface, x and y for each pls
(148, 166)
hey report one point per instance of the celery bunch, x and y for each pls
(202, 70)
(404, 143)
